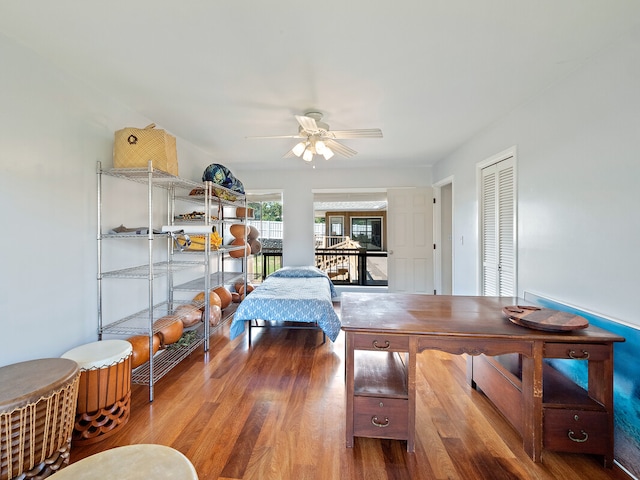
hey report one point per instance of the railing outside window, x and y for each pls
(328, 241)
(266, 263)
(344, 266)
(353, 266)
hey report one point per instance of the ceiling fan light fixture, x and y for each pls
(328, 153)
(307, 156)
(299, 149)
(318, 139)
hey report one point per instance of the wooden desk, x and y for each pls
(381, 386)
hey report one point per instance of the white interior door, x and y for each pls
(410, 232)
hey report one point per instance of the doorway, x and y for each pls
(443, 237)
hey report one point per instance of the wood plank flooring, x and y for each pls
(277, 411)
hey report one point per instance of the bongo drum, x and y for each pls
(37, 409)
(132, 462)
(104, 391)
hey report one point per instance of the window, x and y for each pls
(336, 226)
(367, 231)
(336, 231)
(267, 218)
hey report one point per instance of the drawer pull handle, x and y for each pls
(585, 355)
(585, 436)
(377, 423)
(385, 347)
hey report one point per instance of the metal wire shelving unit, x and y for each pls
(159, 314)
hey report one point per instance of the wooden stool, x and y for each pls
(37, 408)
(132, 462)
(104, 391)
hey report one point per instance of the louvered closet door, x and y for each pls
(498, 229)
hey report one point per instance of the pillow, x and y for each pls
(299, 272)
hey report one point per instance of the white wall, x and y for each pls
(578, 170)
(53, 129)
(297, 187)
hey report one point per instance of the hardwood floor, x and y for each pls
(277, 411)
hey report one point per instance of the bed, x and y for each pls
(300, 296)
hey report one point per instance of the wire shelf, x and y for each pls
(165, 360)
(160, 179)
(215, 280)
(159, 269)
(215, 200)
(166, 180)
(168, 358)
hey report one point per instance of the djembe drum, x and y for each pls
(37, 411)
(104, 391)
(132, 462)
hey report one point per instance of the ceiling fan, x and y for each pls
(316, 138)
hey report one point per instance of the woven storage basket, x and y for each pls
(134, 147)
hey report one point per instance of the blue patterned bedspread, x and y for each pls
(293, 294)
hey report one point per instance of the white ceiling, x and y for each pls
(430, 73)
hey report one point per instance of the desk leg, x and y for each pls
(411, 384)
(601, 390)
(470, 379)
(349, 374)
(532, 402)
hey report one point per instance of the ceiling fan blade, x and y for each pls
(307, 123)
(340, 148)
(289, 154)
(361, 133)
(280, 136)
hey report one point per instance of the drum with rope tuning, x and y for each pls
(37, 411)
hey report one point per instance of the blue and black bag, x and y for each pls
(221, 175)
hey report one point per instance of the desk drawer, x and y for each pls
(577, 431)
(388, 343)
(578, 351)
(379, 417)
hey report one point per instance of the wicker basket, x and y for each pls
(134, 147)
